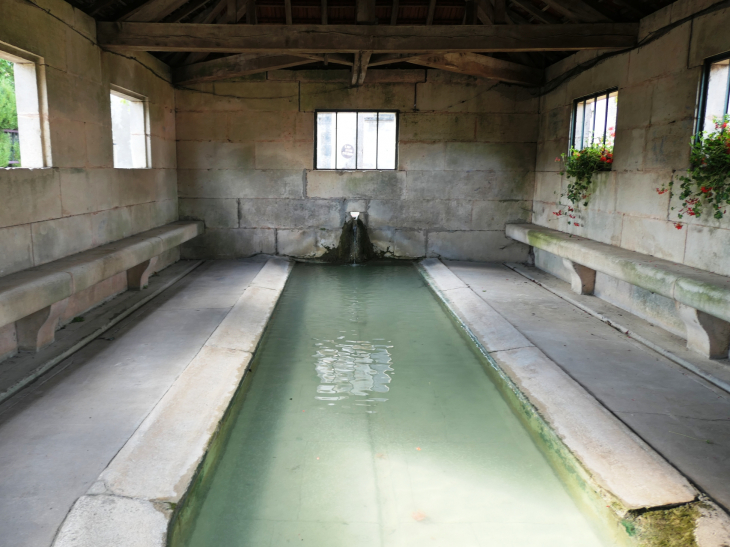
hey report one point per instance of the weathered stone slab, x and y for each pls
(111, 520)
(241, 183)
(300, 243)
(216, 213)
(243, 326)
(274, 274)
(356, 184)
(233, 243)
(615, 457)
(485, 246)
(160, 459)
(443, 278)
(290, 213)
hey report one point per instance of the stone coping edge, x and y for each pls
(612, 457)
(132, 502)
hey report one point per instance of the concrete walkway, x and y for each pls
(683, 417)
(60, 433)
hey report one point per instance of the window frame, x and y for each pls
(32, 107)
(704, 88)
(137, 97)
(356, 111)
(574, 120)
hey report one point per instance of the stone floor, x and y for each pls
(683, 417)
(59, 434)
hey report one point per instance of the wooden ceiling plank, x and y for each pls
(365, 12)
(351, 38)
(482, 66)
(235, 66)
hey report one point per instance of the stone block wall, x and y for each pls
(658, 84)
(80, 201)
(466, 153)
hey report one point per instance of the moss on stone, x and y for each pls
(351, 249)
(673, 527)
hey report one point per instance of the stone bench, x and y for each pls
(34, 299)
(702, 298)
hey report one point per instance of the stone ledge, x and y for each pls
(28, 291)
(701, 290)
(617, 460)
(131, 502)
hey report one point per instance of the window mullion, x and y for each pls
(605, 121)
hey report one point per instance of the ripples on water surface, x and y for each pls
(371, 422)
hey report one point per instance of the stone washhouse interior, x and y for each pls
(364, 273)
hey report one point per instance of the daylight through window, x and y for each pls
(356, 140)
(716, 95)
(594, 120)
(129, 131)
(9, 139)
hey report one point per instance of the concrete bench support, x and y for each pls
(706, 334)
(582, 279)
(138, 276)
(38, 329)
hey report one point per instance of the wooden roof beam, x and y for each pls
(293, 39)
(577, 10)
(235, 66)
(482, 66)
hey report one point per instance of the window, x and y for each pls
(715, 91)
(356, 140)
(129, 130)
(23, 129)
(594, 120)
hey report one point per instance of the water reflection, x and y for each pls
(352, 367)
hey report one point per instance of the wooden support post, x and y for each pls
(365, 12)
(470, 13)
(138, 276)
(364, 60)
(39, 329)
(287, 11)
(232, 10)
(394, 13)
(431, 11)
(251, 12)
(500, 12)
(323, 9)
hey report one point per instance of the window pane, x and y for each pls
(600, 119)
(715, 105)
(578, 126)
(326, 140)
(346, 140)
(386, 140)
(128, 132)
(367, 140)
(612, 113)
(588, 122)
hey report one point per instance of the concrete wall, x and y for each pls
(658, 89)
(80, 201)
(466, 153)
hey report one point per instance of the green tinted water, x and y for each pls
(371, 422)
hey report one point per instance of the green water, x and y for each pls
(370, 421)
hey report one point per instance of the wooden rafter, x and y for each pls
(353, 38)
(500, 12)
(287, 12)
(251, 12)
(431, 11)
(153, 10)
(394, 13)
(234, 66)
(482, 66)
(485, 11)
(390, 58)
(539, 14)
(577, 10)
(323, 7)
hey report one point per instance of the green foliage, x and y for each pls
(5, 150)
(581, 165)
(708, 180)
(8, 110)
